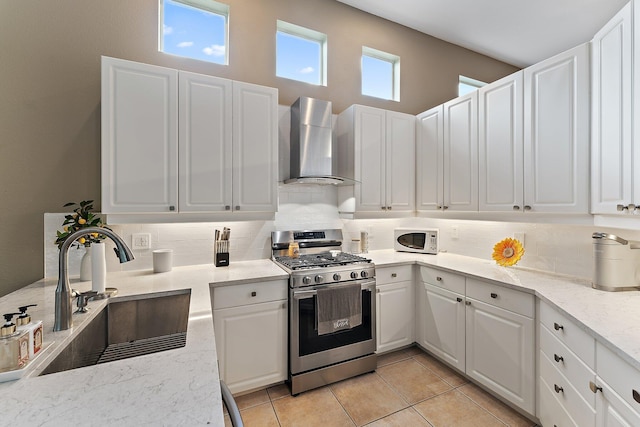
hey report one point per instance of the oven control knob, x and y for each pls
(354, 275)
(319, 279)
(364, 274)
(336, 277)
(306, 280)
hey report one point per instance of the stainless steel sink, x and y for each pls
(128, 327)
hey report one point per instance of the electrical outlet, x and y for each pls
(519, 236)
(454, 232)
(140, 241)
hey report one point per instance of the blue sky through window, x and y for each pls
(298, 58)
(377, 77)
(194, 33)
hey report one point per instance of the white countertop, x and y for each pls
(175, 387)
(180, 387)
(613, 318)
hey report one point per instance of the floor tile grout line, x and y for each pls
(342, 406)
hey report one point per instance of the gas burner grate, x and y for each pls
(324, 259)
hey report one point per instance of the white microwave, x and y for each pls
(423, 241)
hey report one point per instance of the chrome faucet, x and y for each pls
(63, 309)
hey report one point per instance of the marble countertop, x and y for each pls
(175, 387)
(613, 318)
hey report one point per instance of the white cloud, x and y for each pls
(307, 70)
(167, 29)
(185, 44)
(214, 50)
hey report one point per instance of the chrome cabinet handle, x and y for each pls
(445, 207)
(557, 327)
(467, 302)
(389, 208)
(516, 207)
(227, 208)
(594, 388)
(237, 207)
(527, 207)
(558, 389)
(621, 208)
(172, 208)
(438, 207)
(558, 358)
(254, 293)
(394, 274)
(636, 395)
(494, 295)
(458, 299)
(439, 279)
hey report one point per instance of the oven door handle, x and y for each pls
(303, 294)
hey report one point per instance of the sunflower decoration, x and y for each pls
(507, 252)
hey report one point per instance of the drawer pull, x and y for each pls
(467, 302)
(558, 389)
(254, 293)
(636, 395)
(558, 358)
(458, 299)
(439, 279)
(557, 327)
(494, 295)
(594, 388)
(394, 274)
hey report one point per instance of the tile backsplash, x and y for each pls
(557, 248)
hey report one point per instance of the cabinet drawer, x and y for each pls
(249, 293)
(570, 365)
(623, 378)
(444, 279)
(395, 274)
(583, 414)
(568, 332)
(552, 413)
(499, 296)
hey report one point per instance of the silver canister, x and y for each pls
(616, 263)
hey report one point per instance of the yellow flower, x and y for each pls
(94, 235)
(82, 240)
(82, 221)
(507, 252)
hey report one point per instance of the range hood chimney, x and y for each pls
(313, 154)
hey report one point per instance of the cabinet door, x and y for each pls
(205, 143)
(255, 148)
(370, 152)
(251, 342)
(612, 410)
(395, 320)
(556, 133)
(400, 189)
(500, 145)
(500, 352)
(442, 314)
(430, 159)
(461, 153)
(139, 137)
(611, 115)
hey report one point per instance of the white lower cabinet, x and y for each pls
(394, 308)
(484, 330)
(250, 322)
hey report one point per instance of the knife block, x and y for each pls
(221, 253)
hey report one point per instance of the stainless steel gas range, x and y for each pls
(332, 308)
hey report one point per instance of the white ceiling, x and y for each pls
(519, 32)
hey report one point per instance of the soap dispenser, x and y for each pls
(34, 329)
(14, 345)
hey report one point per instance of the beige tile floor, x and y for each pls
(409, 388)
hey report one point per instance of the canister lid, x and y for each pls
(607, 236)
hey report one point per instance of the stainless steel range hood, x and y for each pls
(314, 156)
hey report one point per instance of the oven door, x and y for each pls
(308, 350)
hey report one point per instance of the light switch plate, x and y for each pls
(520, 237)
(140, 241)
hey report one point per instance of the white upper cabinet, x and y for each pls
(255, 148)
(461, 153)
(556, 133)
(205, 143)
(611, 121)
(174, 141)
(430, 159)
(500, 145)
(383, 146)
(139, 137)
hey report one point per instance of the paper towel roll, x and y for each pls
(98, 268)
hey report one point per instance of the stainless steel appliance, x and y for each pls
(616, 263)
(423, 241)
(317, 359)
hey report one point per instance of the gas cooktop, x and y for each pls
(320, 260)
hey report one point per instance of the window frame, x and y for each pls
(394, 60)
(211, 6)
(308, 35)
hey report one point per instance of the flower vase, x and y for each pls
(85, 265)
(98, 268)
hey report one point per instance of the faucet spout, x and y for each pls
(63, 307)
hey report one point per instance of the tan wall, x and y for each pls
(50, 90)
